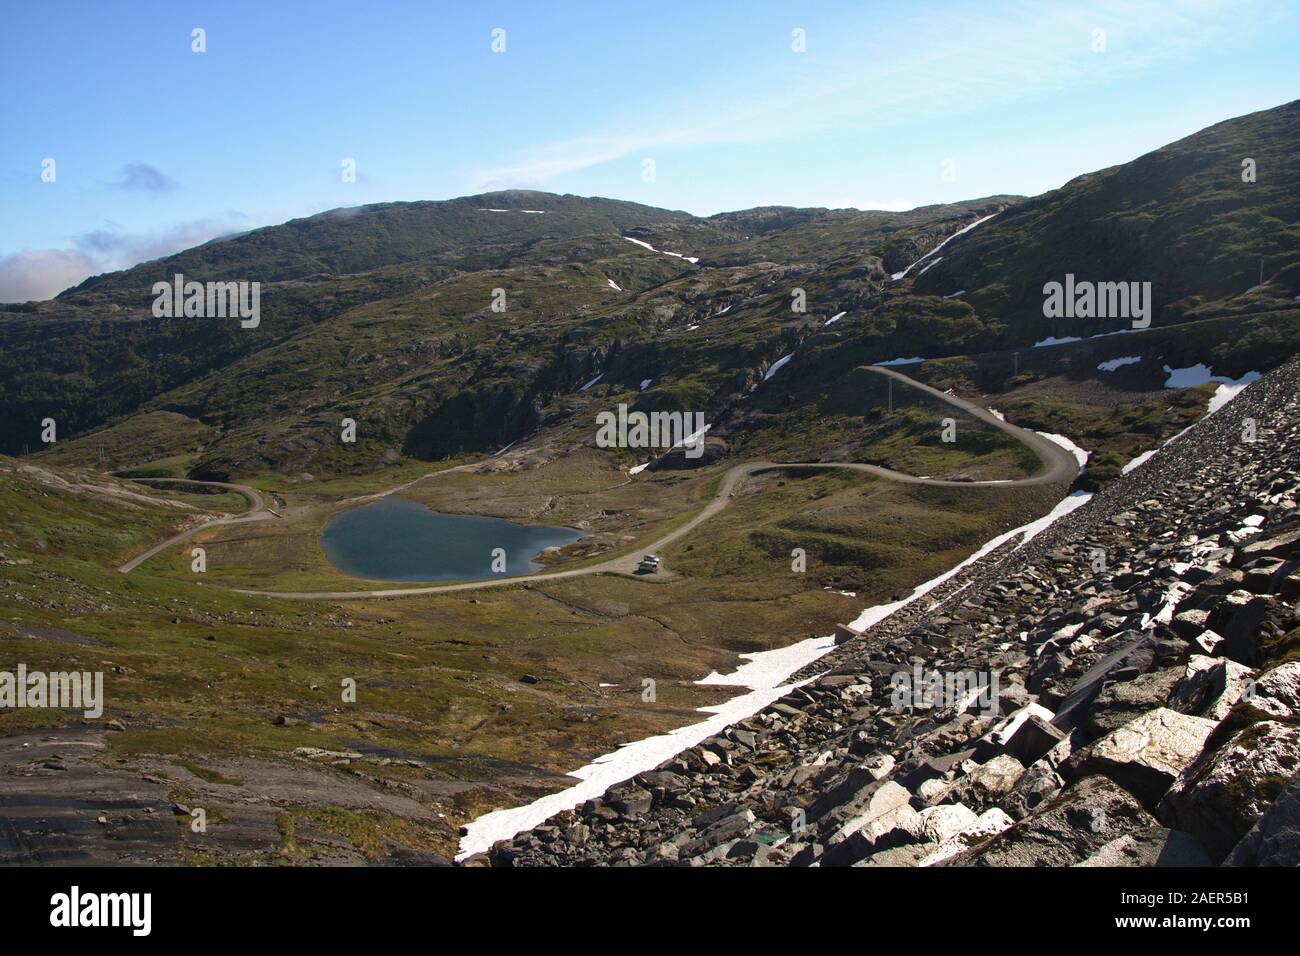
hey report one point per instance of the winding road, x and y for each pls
(1058, 465)
(256, 512)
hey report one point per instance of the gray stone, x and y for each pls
(1066, 830)
(1274, 840)
(1122, 701)
(945, 821)
(1209, 686)
(1274, 695)
(1154, 846)
(1146, 755)
(1225, 792)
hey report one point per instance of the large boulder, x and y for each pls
(987, 783)
(1146, 755)
(1274, 840)
(884, 821)
(1066, 830)
(1121, 701)
(988, 825)
(945, 821)
(1210, 686)
(1275, 695)
(1224, 792)
(1155, 846)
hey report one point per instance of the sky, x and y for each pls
(156, 147)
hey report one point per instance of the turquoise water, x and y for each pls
(394, 539)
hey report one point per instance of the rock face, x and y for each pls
(1274, 840)
(1153, 847)
(1225, 793)
(1146, 755)
(1146, 715)
(1065, 831)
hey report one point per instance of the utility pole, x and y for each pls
(891, 395)
(1016, 357)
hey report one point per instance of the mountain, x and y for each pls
(1181, 218)
(364, 238)
(385, 314)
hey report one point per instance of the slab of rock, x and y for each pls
(1223, 794)
(945, 821)
(1274, 695)
(1146, 755)
(988, 825)
(885, 820)
(987, 783)
(898, 856)
(1274, 840)
(1066, 830)
(1122, 701)
(1075, 706)
(1034, 739)
(996, 740)
(1210, 686)
(1155, 846)
(1040, 783)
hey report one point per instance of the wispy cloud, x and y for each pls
(141, 177)
(929, 65)
(43, 273)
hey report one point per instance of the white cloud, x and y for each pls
(43, 273)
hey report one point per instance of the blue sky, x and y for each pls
(158, 147)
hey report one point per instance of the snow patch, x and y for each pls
(763, 673)
(777, 366)
(645, 382)
(613, 285)
(1225, 393)
(592, 382)
(691, 259)
(960, 232)
(834, 318)
(1053, 340)
(1200, 374)
(1066, 340)
(1115, 363)
(902, 361)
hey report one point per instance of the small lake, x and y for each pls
(395, 539)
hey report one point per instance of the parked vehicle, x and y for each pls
(649, 564)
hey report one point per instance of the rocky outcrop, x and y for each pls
(1142, 715)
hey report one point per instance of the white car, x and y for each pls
(649, 564)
